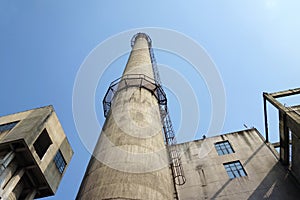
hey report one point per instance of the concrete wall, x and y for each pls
(206, 177)
(60, 142)
(293, 133)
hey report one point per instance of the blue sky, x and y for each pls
(254, 45)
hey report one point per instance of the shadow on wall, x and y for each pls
(278, 184)
(244, 164)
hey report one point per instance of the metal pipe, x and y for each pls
(6, 161)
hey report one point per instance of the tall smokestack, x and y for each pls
(130, 160)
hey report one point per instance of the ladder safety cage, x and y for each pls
(170, 139)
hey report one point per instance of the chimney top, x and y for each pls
(141, 35)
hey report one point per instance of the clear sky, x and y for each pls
(254, 44)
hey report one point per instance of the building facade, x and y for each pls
(34, 154)
(239, 165)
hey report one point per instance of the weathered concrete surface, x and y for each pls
(207, 179)
(134, 161)
(139, 61)
(291, 120)
(13, 189)
(40, 172)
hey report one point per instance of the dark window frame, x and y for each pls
(224, 148)
(60, 162)
(8, 126)
(235, 169)
(42, 144)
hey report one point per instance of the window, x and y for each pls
(234, 169)
(42, 144)
(223, 148)
(7, 127)
(59, 162)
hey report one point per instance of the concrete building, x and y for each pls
(239, 165)
(34, 154)
(137, 157)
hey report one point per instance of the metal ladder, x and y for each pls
(170, 139)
